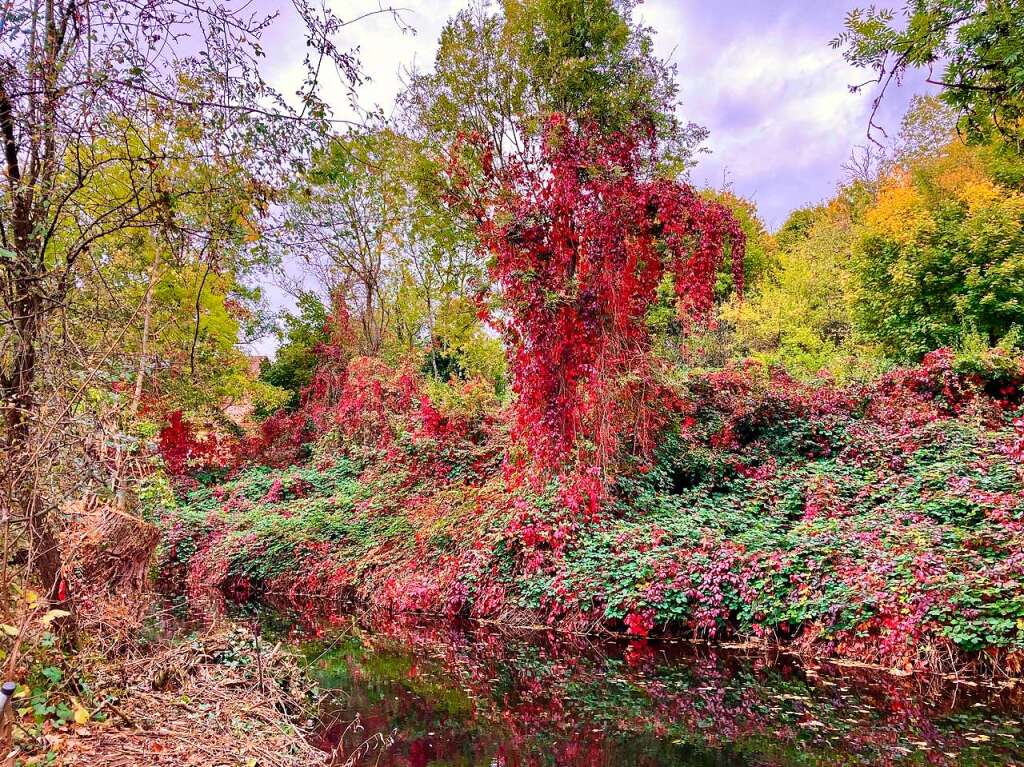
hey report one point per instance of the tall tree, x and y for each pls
(367, 230)
(79, 81)
(580, 243)
(344, 223)
(939, 254)
(499, 73)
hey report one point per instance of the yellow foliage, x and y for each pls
(979, 194)
(800, 318)
(940, 248)
(959, 173)
(901, 212)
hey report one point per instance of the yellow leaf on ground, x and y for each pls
(82, 714)
(52, 615)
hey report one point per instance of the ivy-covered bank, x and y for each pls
(882, 523)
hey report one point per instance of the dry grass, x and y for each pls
(168, 696)
(215, 700)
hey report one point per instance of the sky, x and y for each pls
(759, 74)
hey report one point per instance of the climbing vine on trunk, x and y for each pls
(580, 239)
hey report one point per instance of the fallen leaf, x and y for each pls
(82, 714)
(52, 615)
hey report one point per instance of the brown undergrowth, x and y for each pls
(145, 688)
(216, 699)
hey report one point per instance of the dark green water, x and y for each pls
(417, 693)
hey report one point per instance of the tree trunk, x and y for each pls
(147, 313)
(44, 546)
(140, 375)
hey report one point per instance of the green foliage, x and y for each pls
(588, 60)
(398, 266)
(496, 72)
(940, 251)
(875, 520)
(997, 365)
(977, 44)
(797, 227)
(173, 289)
(721, 519)
(469, 350)
(800, 316)
(155, 496)
(295, 359)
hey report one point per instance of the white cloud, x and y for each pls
(775, 96)
(760, 76)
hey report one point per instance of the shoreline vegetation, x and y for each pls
(529, 373)
(875, 523)
(261, 687)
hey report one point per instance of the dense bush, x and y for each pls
(801, 317)
(881, 522)
(940, 252)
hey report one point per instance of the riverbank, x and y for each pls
(208, 697)
(403, 691)
(881, 524)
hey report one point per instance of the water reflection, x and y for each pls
(415, 693)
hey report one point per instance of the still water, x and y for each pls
(414, 693)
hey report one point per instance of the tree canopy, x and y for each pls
(970, 48)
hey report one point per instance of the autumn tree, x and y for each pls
(343, 226)
(300, 336)
(939, 254)
(80, 82)
(580, 239)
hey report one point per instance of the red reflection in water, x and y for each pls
(430, 693)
